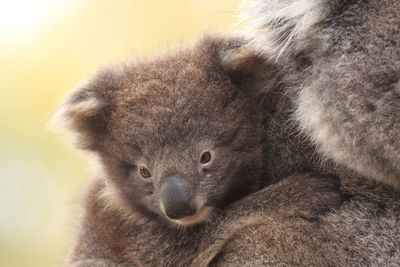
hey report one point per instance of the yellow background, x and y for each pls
(46, 48)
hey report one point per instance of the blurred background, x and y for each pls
(46, 48)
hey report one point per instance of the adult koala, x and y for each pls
(344, 58)
(341, 62)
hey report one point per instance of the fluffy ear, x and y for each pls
(250, 71)
(85, 110)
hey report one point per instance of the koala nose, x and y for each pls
(177, 198)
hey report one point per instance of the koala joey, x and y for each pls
(173, 135)
(180, 139)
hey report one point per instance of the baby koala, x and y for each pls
(175, 135)
(179, 137)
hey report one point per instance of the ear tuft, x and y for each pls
(84, 112)
(80, 115)
(73, 114)
(249, 70)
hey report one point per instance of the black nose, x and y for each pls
(177, 198)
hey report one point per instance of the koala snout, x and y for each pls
(177, 198)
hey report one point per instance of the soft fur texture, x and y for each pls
(342, 68)
(284, 26)
(107, 238)
(344, 58)
(329, 100)
(160, 112)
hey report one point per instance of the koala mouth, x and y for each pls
(200, 216)
(180, 204)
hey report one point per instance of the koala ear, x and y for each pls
(249, 70)
(85, 110)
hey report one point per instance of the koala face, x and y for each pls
(176, 134)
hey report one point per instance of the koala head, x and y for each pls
(177, 134)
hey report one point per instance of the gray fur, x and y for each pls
(293, 204)
(290, 222)
(331, 96)
(162, 112)
(344, 64)
(343, 69)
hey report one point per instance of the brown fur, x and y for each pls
(163, 112)
(107, 237)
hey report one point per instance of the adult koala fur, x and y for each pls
(341, 66)
(180, 139)
(343, 58)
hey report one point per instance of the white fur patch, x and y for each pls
(114, 203)
(314, 122)
(70, 117)
(68, 114)
(111, 197)
(203, 215)
(278, 26)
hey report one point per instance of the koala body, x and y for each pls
(182, 137)
(181, 142)
(343, 60)
(340, 63)
(251, 231)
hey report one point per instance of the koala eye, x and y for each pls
(144, 172)
(205, 157)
